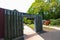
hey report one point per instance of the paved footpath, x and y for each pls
(29, 34)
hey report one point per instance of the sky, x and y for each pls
(20, 5)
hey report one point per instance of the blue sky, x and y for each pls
(20, 5)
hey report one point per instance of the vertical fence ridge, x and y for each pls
(13, 25)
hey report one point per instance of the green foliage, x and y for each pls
(55, 22)
(48, 10)
(27, 21)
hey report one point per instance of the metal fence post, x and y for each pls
(38, 23)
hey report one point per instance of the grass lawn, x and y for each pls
(31, 25)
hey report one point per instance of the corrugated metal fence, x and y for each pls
(13, 25)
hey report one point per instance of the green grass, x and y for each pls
(31, 25)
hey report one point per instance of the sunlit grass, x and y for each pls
(31, 25)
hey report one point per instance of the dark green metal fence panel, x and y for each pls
(13, 25)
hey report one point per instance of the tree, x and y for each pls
(48, 9)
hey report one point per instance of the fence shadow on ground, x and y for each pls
(41, 32)
(31, 35)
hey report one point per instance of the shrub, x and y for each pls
(47, 22)
(55, 22)
(27, 21)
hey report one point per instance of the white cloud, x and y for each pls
(20, 5)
